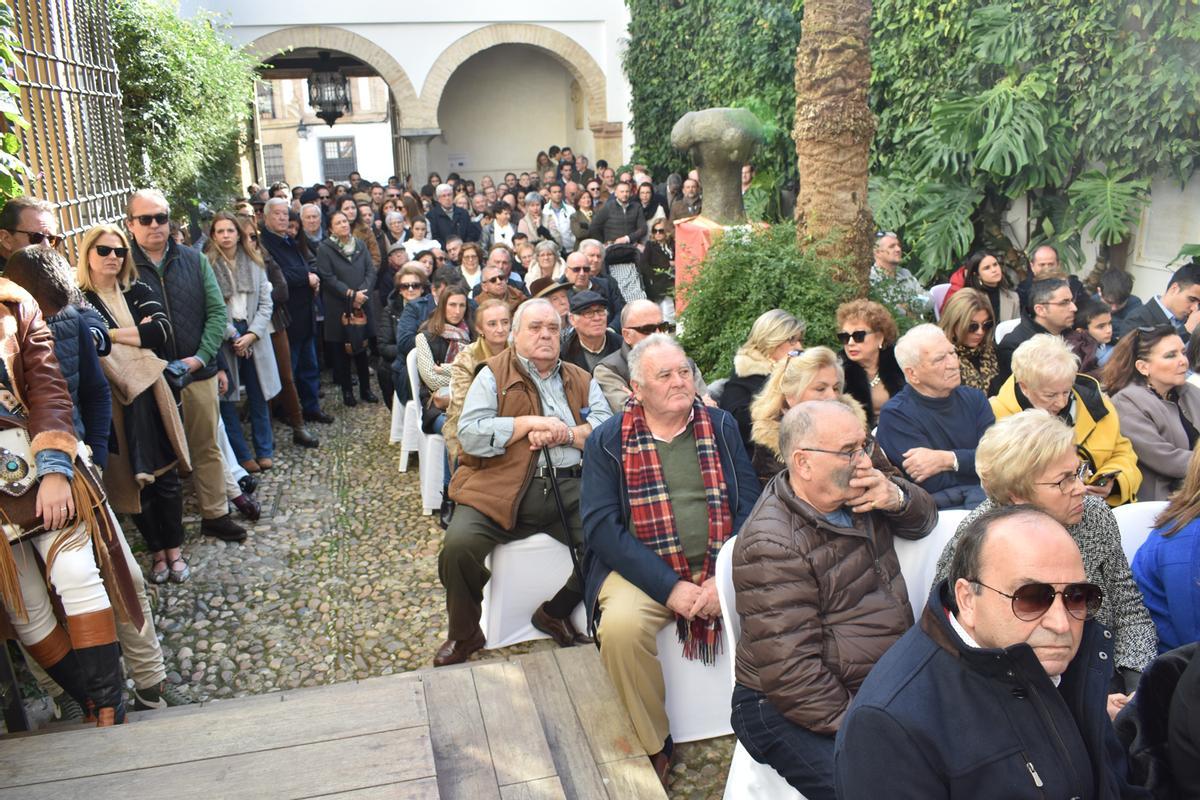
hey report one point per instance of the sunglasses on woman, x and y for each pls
(1033, 600)
(411, 287)
(976, 327)
(104, 251)
(859, 336)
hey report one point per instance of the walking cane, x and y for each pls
(562, 514)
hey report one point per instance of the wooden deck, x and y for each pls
(535, 727)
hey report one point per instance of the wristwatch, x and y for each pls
(902, 495)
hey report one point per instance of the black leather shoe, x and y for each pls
(369, 397)
(223, 528)
(303, 438)
(348, 399)
(456, 651)
(248, 507)
(248, 483)
(562, 631)
(318, 416)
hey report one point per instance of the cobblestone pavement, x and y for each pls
(337, 581)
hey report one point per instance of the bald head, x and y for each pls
(637, 314)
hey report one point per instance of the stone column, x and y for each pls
(418, 151)
(720, 141)
(609, 139)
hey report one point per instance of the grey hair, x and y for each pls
(532, 196)
(308, 206)
(544, 245)
(909, 346)
(443, 188)
(800, 421)
(276, 201)
(146, 194)
(639, 352)
(589, 243)
(393, 216)
(537, 302)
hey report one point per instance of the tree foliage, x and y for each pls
(186, 94)
(704, 53)
(13, 170)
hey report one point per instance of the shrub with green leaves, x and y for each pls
(13, 170)
(747, 273)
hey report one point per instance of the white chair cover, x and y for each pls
(937, 296)
(432, 470)
(410, 439)
(1136, 520)
(396, 435)
(1005, 328)
(525, 574)
(918, 559)
(747, 778)
(698, 696)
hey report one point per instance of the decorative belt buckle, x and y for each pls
(15, 474)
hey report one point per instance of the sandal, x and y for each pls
(180, 575)
(159, 576)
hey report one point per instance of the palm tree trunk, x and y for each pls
(833, 132)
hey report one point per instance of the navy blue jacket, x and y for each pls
(414, 314)
(609, 541)
(295, 269)
(442, 227)
(938, 719)
(80, 338)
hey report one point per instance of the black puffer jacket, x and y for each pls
(819, 604)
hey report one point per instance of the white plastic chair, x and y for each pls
(747, 778)
(525, 574)
(396, 435)
(1136, 521)
(919, 558)
(937, 296)
(431, 469)
(1005, 328)
(410, 439)
(686, 681)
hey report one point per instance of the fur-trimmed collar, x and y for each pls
(748, 362)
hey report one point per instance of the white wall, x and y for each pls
(1170, 221)
(372, 143)
(501, 107)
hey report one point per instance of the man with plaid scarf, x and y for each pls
(668, 482)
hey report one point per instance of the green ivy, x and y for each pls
(186, 95)
(13, 171)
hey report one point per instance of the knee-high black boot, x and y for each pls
(95, 638)
(364, 378)
(54, 654)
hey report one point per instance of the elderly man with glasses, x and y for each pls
(819, 590)
(589, 341)
(581, 273)
(639, 319)
(999, 691)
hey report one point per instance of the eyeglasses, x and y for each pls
(1083, 474)
(37, 237)
(147, 219)
(104, 251)
(495, 279)
(411, 287)
(654, 327)
(1068, 302)
(657, 231)
(859, 336)
(322, 197)
(579, 269)
(1033, 600)
(975, 327)
(867, 449)
(592, 311)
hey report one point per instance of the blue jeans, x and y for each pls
(260, 413)
(306, 373)
(438, 424)
(802, 758)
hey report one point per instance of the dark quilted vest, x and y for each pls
(64, 326)
(180, 288)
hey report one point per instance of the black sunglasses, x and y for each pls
(655, 327)
(1033, 600)
(496, 279)
(146, 219)
(408, 287)
(975, 327)
(658, 230)
(859, 336)
(579, 269)
(104, 251)
(37, 237)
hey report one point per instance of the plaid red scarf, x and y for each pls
(654, 522)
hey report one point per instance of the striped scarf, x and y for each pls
(654, 523)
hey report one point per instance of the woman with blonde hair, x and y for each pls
(868, 335)
(812, 375)
(142, 476)
(967, 321)
(1167, 565)
(774, 335)
(1045, 375)
(1029, 458)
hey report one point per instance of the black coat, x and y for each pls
(1152, 315)
(572, 348)
(442, 227)
(1015, 338)
(936, 718)
(339, 276)
(859, 387)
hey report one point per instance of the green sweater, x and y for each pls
(685, 485)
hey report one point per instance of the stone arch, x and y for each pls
(328, 37)
(576, 60)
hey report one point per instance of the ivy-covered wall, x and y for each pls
(690, 54)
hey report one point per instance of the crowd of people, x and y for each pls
(538, 311)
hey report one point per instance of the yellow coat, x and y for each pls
(1110, 451)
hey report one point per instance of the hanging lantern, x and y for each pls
(328, 90)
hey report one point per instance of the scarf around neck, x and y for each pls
(235, 277)
(456, 337)
(654, 522)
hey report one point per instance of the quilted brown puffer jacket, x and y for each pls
(819, 604)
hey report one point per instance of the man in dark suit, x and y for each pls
(1178, 306)
(447, 220)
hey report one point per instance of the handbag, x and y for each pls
(354, 326)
